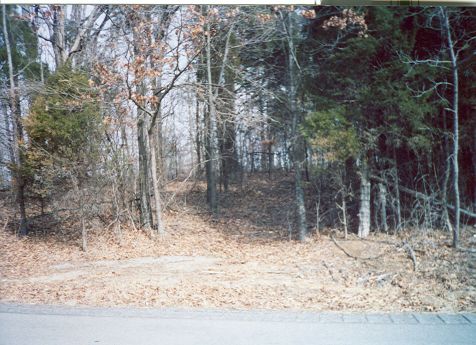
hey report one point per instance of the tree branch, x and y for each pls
(76, 47)
(424, 197)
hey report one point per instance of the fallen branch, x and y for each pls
(389, 243)
(6, 223)
(131, 219)
(411, 253)
(383, 277)
(353, 256)
(329, 270)
(379, 279)
(425, 197)
(467, 250)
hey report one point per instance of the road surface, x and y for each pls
(57, 325)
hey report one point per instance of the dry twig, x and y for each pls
(411, 253)
(6, 223)
(353, 256)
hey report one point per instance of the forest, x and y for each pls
(122, 125)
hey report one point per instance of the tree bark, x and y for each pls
(398, 225)
(156, 147)
(382, 192)
(144, 189)
(270, 160)
(225, 89)
(454, 70)
(229, 154)
(8, 134)
(343, 208)
(425, 197)
(474, 169)
(298, 154)
(58, 35)
(58, 38)
(84, 233)
(211, 131)
(82, 215)
(447, 176)
(155, 184)
(82, 30)
(364, 212)
(17, 131)
(198, 142)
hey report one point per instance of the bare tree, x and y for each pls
(148, 82)
(212, 127)
(17, 130)
(53, 17)
(454, 110)
(298, 150)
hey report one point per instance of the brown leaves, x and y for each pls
(264, 17)
(348, 20)
(308, 14)
(238, 260)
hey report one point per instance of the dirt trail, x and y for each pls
(241, 259)
(161, 267)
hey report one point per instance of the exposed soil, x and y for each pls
(240, 259)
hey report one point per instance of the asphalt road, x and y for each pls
(51, 325)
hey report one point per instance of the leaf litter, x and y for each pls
(240, 259)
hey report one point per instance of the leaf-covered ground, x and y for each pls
(240, 259)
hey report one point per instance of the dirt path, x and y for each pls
(239, 260)
(315, 275)
(163, 269)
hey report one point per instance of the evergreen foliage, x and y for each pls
(369, 88)
(24, 43)
(64, 129)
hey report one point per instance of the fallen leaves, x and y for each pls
(240, 260)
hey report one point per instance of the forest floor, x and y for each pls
(240, 259)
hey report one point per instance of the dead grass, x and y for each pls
(241, 259)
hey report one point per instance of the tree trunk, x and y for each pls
(454, 70)
(252, 160)
(160, 154)
(364, 212)
(8, 134)
(144, 190)
(57, 32)
(318, 214)
(211, 131)
(198, 142)
(76, 18)
(447, 176)
(344, 214)
(155, 183)
(301, 209)
(17, 132)
(229, 154)
(225, 88)
(58, 39)
(298, 155)
(263, 156)
(382, 192)
(474, 169)
(270, 160)
(398, 224)
(428, 198)
(82, 214)
(343, 208)
(306, 166)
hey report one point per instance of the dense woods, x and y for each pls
(371, 110)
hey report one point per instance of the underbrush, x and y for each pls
(243, 258)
